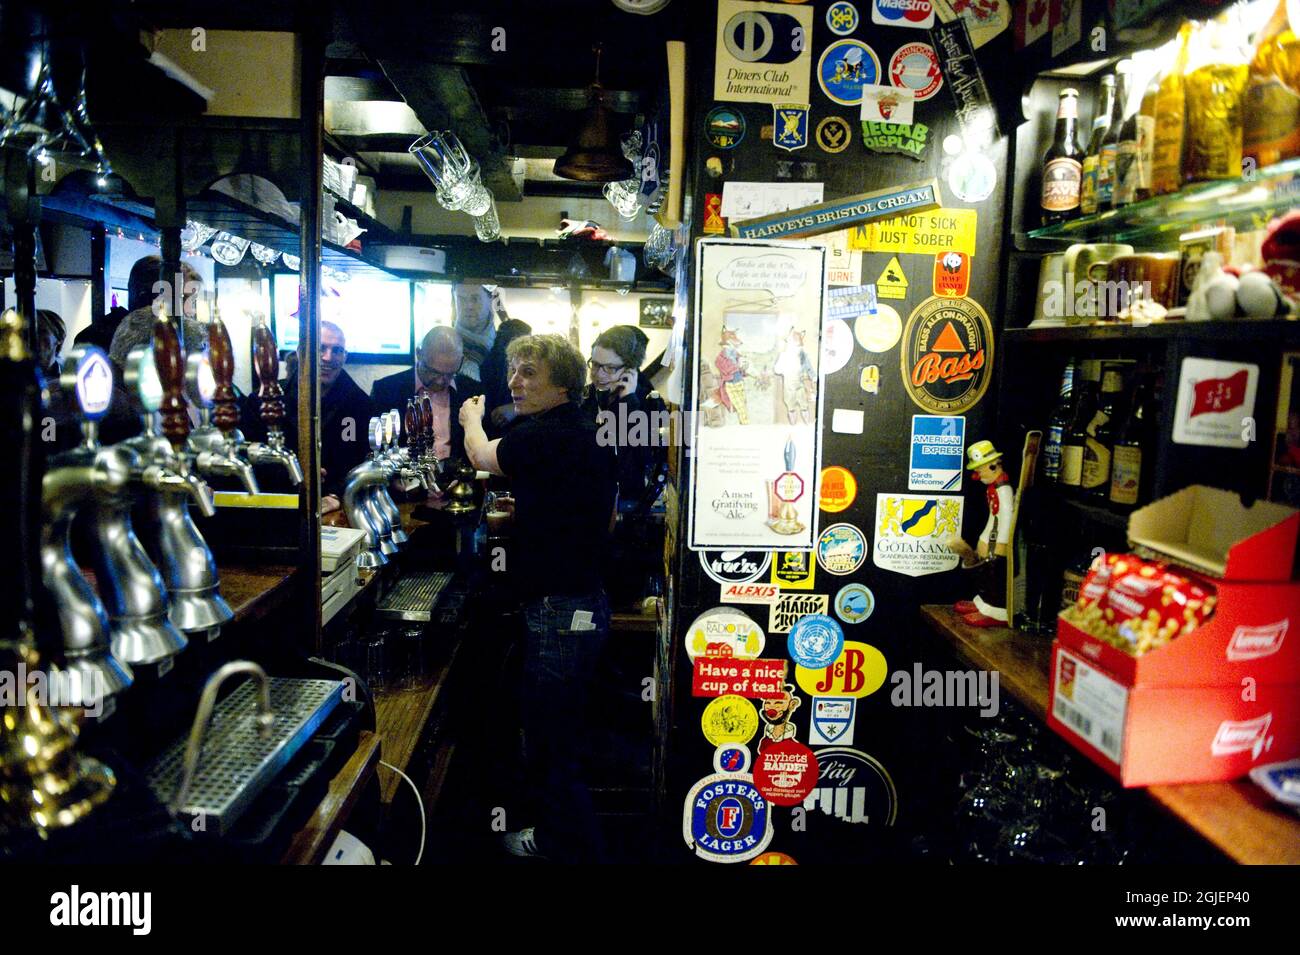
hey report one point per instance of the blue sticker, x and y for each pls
(790, 126)
(724, 127)
(726, 819)
(841, 549)
(854, 603)
(815, 641)
(844, 68)
(731, 758)
(832, 720)
(842, 18)
(938, 443)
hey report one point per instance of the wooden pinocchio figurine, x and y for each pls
(989, 608)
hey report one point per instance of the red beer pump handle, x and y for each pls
(221, 355)
(426, 413)
(412, 428)
(170, 364)
(267, 363)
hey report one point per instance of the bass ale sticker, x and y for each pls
(947, 354)
(726, 818)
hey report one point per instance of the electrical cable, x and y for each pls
(419, 801)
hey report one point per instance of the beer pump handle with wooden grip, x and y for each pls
(221, 354)
(426, 416)
(267, 363)
(413, 435)
(170, 364)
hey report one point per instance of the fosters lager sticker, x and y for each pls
(911, 530)
(947, 354)
(726, 818)
(789, 608)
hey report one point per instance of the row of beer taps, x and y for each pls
(158, 587)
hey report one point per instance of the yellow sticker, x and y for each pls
(729, 719)
(794, 569)
(773, 858)
(859, 670)
(919, 233)
(893, 281)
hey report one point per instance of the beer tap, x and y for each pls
(358, 493)
(72, 481)
(177, 547)
(267, 364)
(396, 460)
(216, 444)
(416, 448)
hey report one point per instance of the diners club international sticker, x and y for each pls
(947, 354)
(785, 772)
(726, 818)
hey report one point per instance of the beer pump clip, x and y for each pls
(215, 444)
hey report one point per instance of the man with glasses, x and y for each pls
(437, 373)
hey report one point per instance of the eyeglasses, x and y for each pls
(605, 369)
(429, 373)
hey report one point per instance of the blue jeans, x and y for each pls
(559, 664)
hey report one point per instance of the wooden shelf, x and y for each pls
(401, 717)
(254, 591)
(313, 840)
(1237, 818)
(1277, 331)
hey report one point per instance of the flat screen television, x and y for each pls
(375, 315)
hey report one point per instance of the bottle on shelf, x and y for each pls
(1126, 478)
(1063, 164)
(1167, 155)
(1101, 433)
(1271, 131)
(1107, 165)
(1076, 434)
(1057, 424)
(1127, 171)
(1146, 142)
(1215, 80)
(1100, 123)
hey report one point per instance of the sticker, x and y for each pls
(947, 355)
(887, 104)
(715, 166)
(951, 274)
(911, 533)
(907, 140)
(854, 603)
(880, 332)
(735, 566)
(839, 213)
(841, 549)
(774, 858)
(723, 675)
(834, 134)
(837, 346)
(776, 711)
(94, 384)
(858, 671)
(832, 720)
(714, 224)
(1091, 704)
(848, 421)
(938, 444)
(853, 787)
(785, 772)
(749, 594)
(815, 641)
(892, 282)
(844, 68)
(762, 55)
(915, 67)
(732, 758)
(789, 608)
(972, 177)
(788, 487)
(724, 629)
(581, 620)
(724, 127)
(726, 818)
(850, 302)
(837, 489)
(1033, 21)
(985, 19)
(765, 133)
(842, 18)
(729, 719)
(843, 266)
(870, 379)
(903, 13)
(794, 570)
(961, 73)
(918, 233)
(1214, 399)
(790, 126)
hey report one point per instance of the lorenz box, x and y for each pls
(1209, 705)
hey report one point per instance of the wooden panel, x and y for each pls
(401, 717)
(252, 592)
(1023, 662)
(314, 839)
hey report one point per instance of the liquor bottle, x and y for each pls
(1167, 156)
(1107, 172)
(1215, 81)
(1126, 155)
(1272, 109)
(1146, 142)
(1063, 164)
(1100, 123)
(1126, 466)
(1057, 424)
(1076, 434)
(1101, 433)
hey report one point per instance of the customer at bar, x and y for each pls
(564, 488)
(345, 413)
(477, 309)
(437, 373)
(495, 377)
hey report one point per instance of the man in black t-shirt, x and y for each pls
(565, 490)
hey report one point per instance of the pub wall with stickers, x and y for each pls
(899, 738)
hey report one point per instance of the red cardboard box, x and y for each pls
(1209, 705)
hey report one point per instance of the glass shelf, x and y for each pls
(1248, 202)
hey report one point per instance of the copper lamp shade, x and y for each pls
(597, 155)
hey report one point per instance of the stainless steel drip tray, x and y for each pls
(413, 597)
(237, 762)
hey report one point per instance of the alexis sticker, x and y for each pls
(887, 104)
(815, 641)
(844, 68)
(726, 819)
(841, 549)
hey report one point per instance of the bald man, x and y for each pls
(437, 373)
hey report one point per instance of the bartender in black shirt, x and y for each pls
(564, 487)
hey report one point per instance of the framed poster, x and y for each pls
(757, 399)
(656, 313)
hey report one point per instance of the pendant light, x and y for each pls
(597, 154)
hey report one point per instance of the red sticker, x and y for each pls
(714, 224)
(786, 772)
(951, 274)
(723, 675)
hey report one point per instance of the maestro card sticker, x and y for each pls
(912, 531)
(724, 631)
(794, 569)
(732, 758)
(785, 772)
(729, 719)
(726, 818)
(844, 68)
(763, 53)
(854, 603)
(853, 787)
(858, 671)
(947, 354)
(838, 489)
(832, 720)
(789, 609)
(841, 549)
(938, 446)
(815, 641)
(903, 13)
